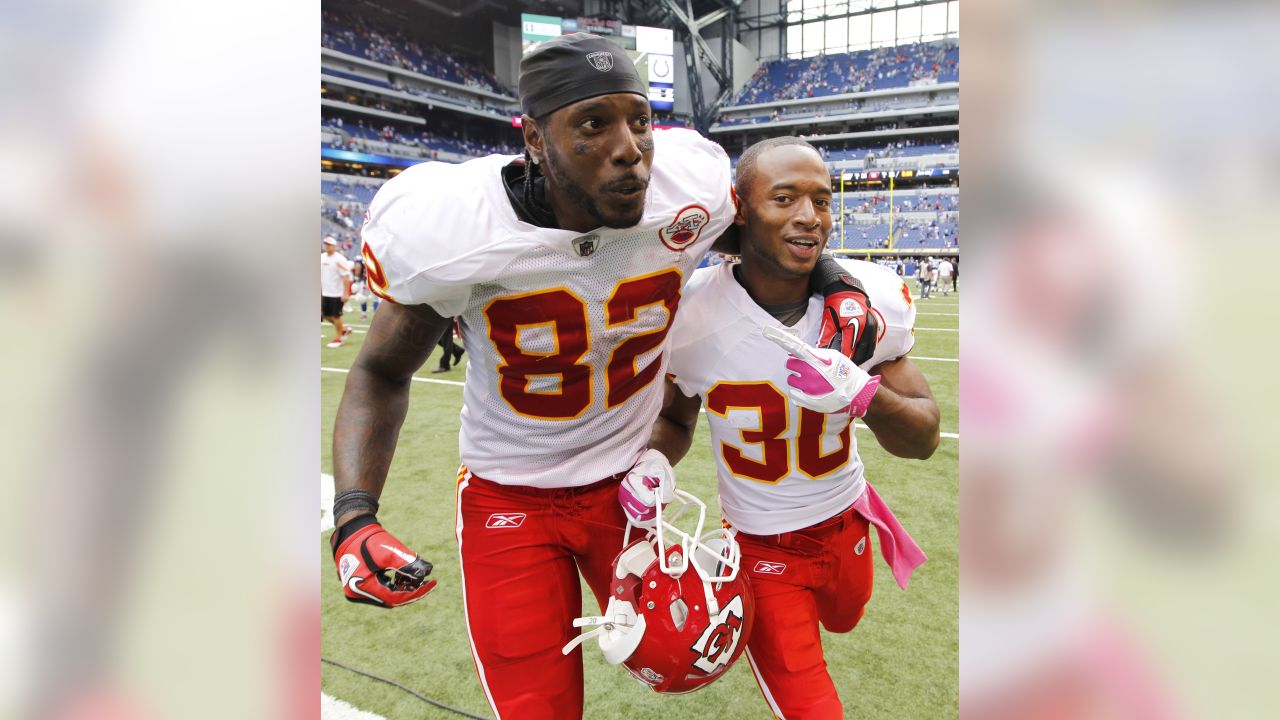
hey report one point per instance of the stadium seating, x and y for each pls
(908, 235)
(923, 218)
(835, 109)
(363, 38)
(406, 140)
(821, 75)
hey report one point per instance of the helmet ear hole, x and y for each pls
(679, 613)
(717, 557)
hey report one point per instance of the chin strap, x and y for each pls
(618, 631)
(600, 625)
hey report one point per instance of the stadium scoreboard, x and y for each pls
(651, 49)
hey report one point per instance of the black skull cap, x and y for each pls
(569, 68)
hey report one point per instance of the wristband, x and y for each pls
(349, 528)
(354, 499)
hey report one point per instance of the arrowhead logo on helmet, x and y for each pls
(680, 613)
(718, 642)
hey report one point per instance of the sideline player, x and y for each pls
(790, 479)
(565, 272)
(335, 277)
(360, 290)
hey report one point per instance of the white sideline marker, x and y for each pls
(331, 708)
(326, 502)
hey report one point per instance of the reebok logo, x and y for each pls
(505, 520)
(769, 568)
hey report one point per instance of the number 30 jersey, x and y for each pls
(780, 467)
(566, 332)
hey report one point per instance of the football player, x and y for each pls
(781, 413)
(565, 272)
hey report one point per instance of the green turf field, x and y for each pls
(900, 662)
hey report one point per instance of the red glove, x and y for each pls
(848, 325)
(375, 568)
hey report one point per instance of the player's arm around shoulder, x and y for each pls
(672, 433)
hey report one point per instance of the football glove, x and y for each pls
(824, 380)
(375, 568)
(650, 481)
(848, 325)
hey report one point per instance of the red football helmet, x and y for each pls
(679, 613)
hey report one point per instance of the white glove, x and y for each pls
(824, 380)
(651, 480)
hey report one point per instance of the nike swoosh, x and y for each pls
(354, 585)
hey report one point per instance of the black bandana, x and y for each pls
(574, 67)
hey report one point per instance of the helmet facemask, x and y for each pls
(678, 613)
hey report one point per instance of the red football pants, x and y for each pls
(822, 573)
(521, 550)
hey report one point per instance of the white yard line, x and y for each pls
(415, 378)
(953, 436)
(923, 357)
(326, 502)
(947, 314)
(940, 329)
(331, 708)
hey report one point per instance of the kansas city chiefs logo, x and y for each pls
(717, 644)
(685, 228)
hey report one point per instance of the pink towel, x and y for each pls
(897, 547)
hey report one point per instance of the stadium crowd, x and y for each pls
(882, 68)
(405, 140)
(363, 38)
(838, 109)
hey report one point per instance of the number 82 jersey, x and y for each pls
(566, 332)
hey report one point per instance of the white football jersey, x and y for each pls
(780, 467)
(335, 270)
(566, 332)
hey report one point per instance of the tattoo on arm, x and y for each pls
(376, 398)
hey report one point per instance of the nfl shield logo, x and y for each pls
(602, 61)
(585, 245)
